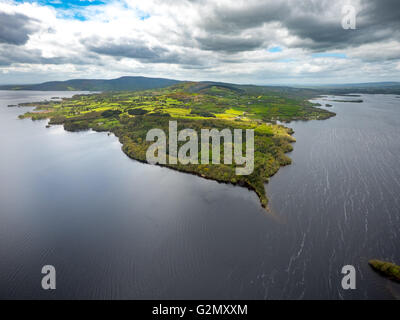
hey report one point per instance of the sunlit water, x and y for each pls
(116, 228)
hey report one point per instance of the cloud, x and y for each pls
(229, 43)
(226, 40)
(11, 55)
(15, 28)
(128, 48)
(317, 24)
(144, 52)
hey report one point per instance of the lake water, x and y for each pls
(117, 228)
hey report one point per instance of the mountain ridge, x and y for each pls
(138, 83)
(119, 84)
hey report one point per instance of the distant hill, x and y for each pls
(144, 83)
(120, 84)
(364, 85)
(306, 91)
(370, 87)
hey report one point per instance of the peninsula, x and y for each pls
(195, 105)
(387, 269)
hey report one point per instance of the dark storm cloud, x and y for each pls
(231, 19)
(10, 54)
(376, 21)
(16, 28)
(136, 49)
(316, 23)
(229, 44)
(383, 13)
(128, 49)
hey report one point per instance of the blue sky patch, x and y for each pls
(329, 55)
(143, 15)
(74, 9)
(275, 49)
(67, 9)
(62, 4)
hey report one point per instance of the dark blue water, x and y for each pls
(116, 228)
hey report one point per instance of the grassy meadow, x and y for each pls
(130, 115)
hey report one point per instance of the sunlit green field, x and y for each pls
(130, 115)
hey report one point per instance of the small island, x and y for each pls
(387, 269)
(353, 101)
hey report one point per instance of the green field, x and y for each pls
(130, 115)
(387, 269)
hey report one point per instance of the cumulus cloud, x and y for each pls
(316, 24)
(129, 48)
(144, 52)
(15, 28)
(227, 40)
(229, 43)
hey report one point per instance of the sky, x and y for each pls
(252, 41)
